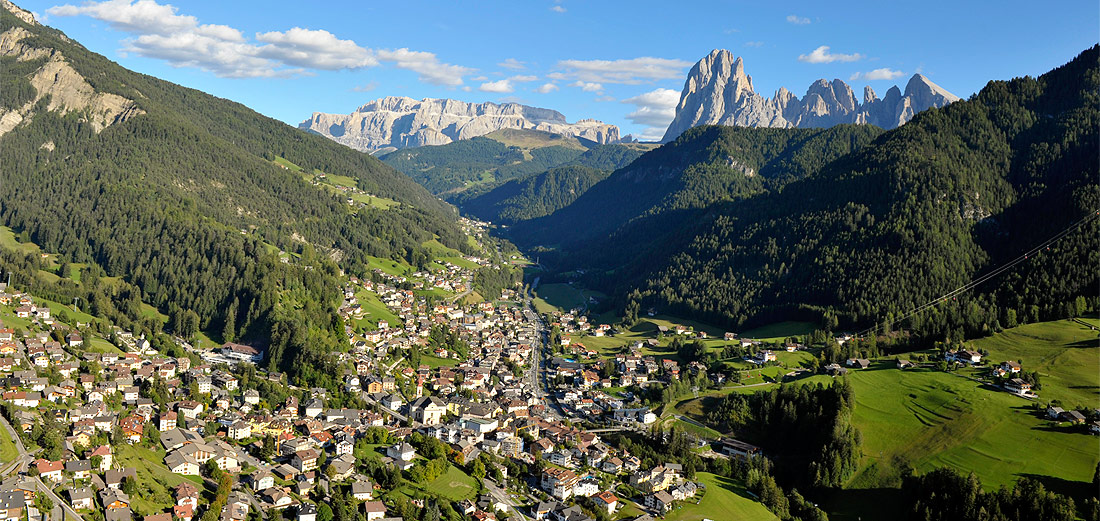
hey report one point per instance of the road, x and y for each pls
(22, 459)
(25, 458)
(502, 496)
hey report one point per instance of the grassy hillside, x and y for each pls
(922, 420)
(466, 169)
(1066, 353)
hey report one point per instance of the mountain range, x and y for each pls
(741, 225)
(719, 92)
(393, 123)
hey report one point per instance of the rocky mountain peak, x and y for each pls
(395, 122)
(718, 91)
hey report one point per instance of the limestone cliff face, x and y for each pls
(718, 92)
(68, 91)
(392, 123)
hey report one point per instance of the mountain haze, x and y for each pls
(719, 92)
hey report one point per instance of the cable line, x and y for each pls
(1000, 269)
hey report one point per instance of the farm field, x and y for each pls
(927, 419)
(374, 310)
(724, 499)
(1066, 354)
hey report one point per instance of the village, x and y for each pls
(483, 408)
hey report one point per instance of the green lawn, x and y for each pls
(284, 162)
(99, 345)
(436, 362)
(454, 485)
(374, 310)
(389, 266)
(153, 475)
(725, 499)
(1066, 354)
(7, 448)
(928, 419)
(9, 242)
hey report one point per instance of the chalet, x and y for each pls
(82, 498)
(374, 510)
(49, 470)
(402, 454)
(835, 369)
(1018, 386)
(1010, 367)
(861, 363)
(606, 501)
(660, 501)
(905, 364)
(12, 505)
(362, 490)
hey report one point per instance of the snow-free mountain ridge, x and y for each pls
(719, 92)
(391, 123)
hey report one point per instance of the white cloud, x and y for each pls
(558, 9)
(514, 64)
(587, 86)
(797, 20)
(427, 65)
(877, 74)
(822, 55)
(754, 44)
(631, 72)
(652, 134)
(160, 32)
(524, 78)
(316, 49)
(142, 16)
(546, 88)
(502, 87)
(655, 108)
(365, 88)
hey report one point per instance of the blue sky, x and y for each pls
(619, 62)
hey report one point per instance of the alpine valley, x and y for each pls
(440, 308)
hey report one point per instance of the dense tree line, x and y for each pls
(944, 494)
(805, 429)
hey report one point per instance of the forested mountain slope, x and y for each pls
(534, 196)
(180, 197)
(924, 209)
(466, 169)
(704, 166)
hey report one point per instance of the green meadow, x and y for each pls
(1066, 354)
(724, 499)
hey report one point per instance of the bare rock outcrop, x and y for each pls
(719, 92)
(67, 90)
(392, 123)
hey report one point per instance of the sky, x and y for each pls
(623, 63)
